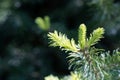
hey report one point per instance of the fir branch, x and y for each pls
(90, 62)
(75, 76)
(51, 77)
(43, 23)
(40, 22)
(111, 64)
(47, 22)
(61, 40)
(95, 36)
(82, 36)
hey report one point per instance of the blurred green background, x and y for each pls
(24, 50)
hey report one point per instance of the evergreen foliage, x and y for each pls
(43, 23)
(24, 52)
(86, 60)
(82, 36)
(51, 77)
(95, 36)
(66, 44)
